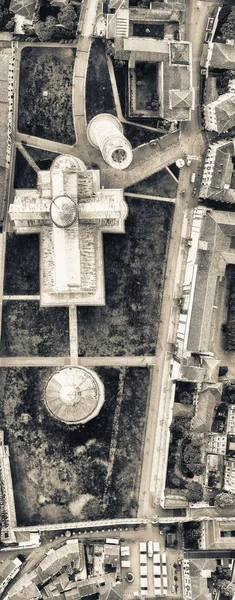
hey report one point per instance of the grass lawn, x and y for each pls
(138, 136)
(42, 158)
(59, 472)
(28, 330)
(25, 176)
(134, 279)
(158, 184)
(21, 264)
(127, 464)
(99, 93)
(49, 70)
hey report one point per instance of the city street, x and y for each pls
(161, 398)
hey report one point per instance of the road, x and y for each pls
(161, 399)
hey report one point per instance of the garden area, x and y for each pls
(159, 184)
(185, 392)
(146, 86)
(59, 473)
(99, 93)
(29, 330)
(21, 274)
(134, 278)
(7, 17)
(185, 459)
(152, 30)
(45, 93)
(191, 534)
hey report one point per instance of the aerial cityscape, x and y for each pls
(117, 299)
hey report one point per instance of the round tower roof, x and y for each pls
(63, 211)
(74, 395)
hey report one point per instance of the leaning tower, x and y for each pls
(106, 133)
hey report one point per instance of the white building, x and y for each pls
(231, 419)
(216, 443)
(71, 211)
(220, 113)
(229, 475)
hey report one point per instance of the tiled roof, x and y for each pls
(207, 272)
(179, 53)
(200, 590)
(181, 98)
(223, 56)
(25, 8)
(225, 114)
(223, 169)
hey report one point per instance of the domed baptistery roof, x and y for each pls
(64, 211)
(74, 395)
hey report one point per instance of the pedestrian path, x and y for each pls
(73, 334)
(147, 197)
(86, 361)
(22, 297)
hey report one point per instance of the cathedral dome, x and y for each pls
(63, 211)
(74, 395)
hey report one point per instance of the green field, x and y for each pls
(134, 279)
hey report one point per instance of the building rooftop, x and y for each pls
(74, 395)
(223, 56)
(179, 53)
(25, 8)
(217, 229)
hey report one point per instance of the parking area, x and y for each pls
(149, 570)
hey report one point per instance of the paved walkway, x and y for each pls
(147, 197)
(44, 144)
(28, 157)
(73, 334)
(86, 361)
(27, 298)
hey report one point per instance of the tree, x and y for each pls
(179, 425)
(10, 25)
(46, 30)
(192, 533)
(221, 573)
(226, 587)
(67, 17)
(192, 459)
(223, 370)
(224, 500)
(194, 492)
(186, 398)
(228, 28)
